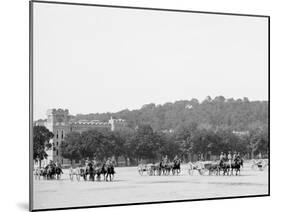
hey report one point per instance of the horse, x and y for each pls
(50, 172)
(236, 166)
(99, 169)
(228, 168)
(176, 169)
(78, 172)
(58, 172)
(38, 172)
(199, 166)
(212, 167)
(167, 167)
(90, 171)
(109, 170)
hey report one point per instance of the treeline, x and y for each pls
(150, 145)
(239, 114)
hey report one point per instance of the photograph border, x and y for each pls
(31, 2)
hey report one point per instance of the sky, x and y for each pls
(96, 59)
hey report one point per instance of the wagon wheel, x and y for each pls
(204, 171)
(253, 167)
(141, 172)
(201, 171)
(71, 177)
(78, 177)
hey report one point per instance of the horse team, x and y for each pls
(164, 167)
(93, 171)
(216, 167)
(161, 168)
(51, 171)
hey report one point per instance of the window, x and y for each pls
(57, 152)
(61, 134)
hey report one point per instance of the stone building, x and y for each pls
(59, 123)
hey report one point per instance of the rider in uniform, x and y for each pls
(229, 157)
(176, 158)
(165, 160)
(221, 158)
(108, 162)
(238, 155)
(234, 156)
(94, 161)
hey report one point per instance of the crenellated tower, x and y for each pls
(58, 124)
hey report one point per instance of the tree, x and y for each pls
(146, 143)
(41, 142)
(94, 143)
(258, 142)
(71, 146)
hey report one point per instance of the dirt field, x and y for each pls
(129, 187)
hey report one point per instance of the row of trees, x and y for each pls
(145, 143)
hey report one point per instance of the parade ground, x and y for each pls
(129, 187)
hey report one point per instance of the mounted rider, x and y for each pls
(109, 162)
(94, 161)
(229, 158)
(176, 159)
(165, 160)
(234, 156)
(222, 158)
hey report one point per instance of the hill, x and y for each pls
(239, 114)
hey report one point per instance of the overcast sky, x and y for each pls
(95, 59)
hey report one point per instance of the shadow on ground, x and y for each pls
(23, 205)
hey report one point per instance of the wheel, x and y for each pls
(141, 172)
(78, 177)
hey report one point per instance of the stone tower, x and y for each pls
(58, 124)
(116, 124)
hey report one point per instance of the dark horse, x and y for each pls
(58, 172)
(238, 162)
(228, 168)
(176, 168)
(90, 171)
(50, 172)
(109, 171)
(99, 169)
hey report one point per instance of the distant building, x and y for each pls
(241, 133)
(59, 123)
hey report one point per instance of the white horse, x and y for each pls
(74, 172)
(37, 173)
(199, 166)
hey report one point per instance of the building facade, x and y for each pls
(58, 122)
